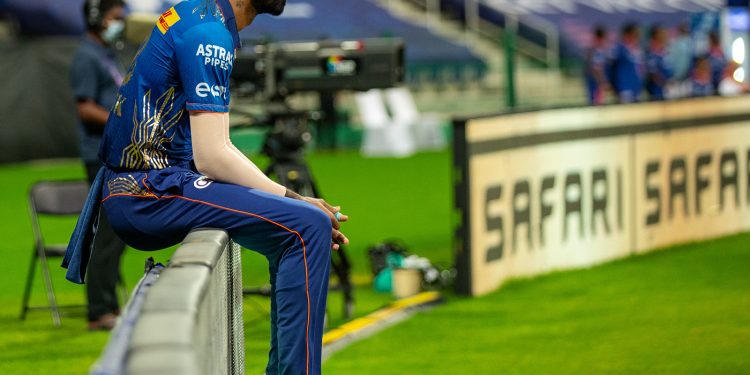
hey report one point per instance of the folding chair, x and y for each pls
(50, 198)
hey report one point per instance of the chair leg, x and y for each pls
(29, 284)
(50, 291)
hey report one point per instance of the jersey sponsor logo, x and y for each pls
(202, 182)
(167, 19)
(203, 90)
(214, 55)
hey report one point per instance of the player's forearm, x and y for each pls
(289, 193)
(226, 166)
(218, 159)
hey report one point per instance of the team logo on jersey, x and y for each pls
(203, 89)
(214, 55)
(202, 182)
(167, 19)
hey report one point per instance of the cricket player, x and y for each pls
(597, 58)
(628, 65)
(169, 167)
(658, 70)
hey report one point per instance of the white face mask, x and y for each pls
(113, 31)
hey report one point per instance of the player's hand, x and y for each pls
(338, 239)
(328, 209)
(334, 213)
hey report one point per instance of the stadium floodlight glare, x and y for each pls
(739, 74)
(738, 50)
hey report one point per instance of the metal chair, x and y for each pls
(51, 198)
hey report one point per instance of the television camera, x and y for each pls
(278, 69)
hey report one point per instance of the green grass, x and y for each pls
(380, 196)
(686, 310)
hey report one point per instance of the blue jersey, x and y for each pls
(701, 88)
(184, 66)
(659, 72)
(597, 60)
(628, 69)
(718, 64)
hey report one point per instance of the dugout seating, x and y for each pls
(53, 199)
(50, 198)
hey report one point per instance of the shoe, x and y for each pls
(105, 323)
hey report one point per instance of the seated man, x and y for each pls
(169, 167)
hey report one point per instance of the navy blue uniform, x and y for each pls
(597, 60)
(701, 88)
(154, 196)
(628, 72)
(718, 64)
(659, 72)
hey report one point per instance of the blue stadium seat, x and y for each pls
(574, 27)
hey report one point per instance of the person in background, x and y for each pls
(716, 58)
(702, 84)
(95, 77)
(680, 54)
(597, 60)
(658, 71)
(627, 66)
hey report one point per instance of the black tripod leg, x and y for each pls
(271, 170)
(342, 268)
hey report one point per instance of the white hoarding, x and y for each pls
(567, 188)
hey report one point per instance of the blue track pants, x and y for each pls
(156, 209)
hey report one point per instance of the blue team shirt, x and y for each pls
(659, 72)
(597, 59)
(184, 66)
(718, 64)
(628, 69)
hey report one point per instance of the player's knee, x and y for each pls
(319, 221)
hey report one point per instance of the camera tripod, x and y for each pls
(284, 144)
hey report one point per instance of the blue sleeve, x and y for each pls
(83, 77)
(652, 64)
(205, 54)
(620, 53)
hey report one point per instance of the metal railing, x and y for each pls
(547, 52)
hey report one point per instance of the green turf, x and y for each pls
(385, 198)
(686, 310)
(679, 311)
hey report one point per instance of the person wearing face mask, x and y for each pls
(95, 77)
(170, 167)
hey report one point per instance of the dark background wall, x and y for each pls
(37, 113)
